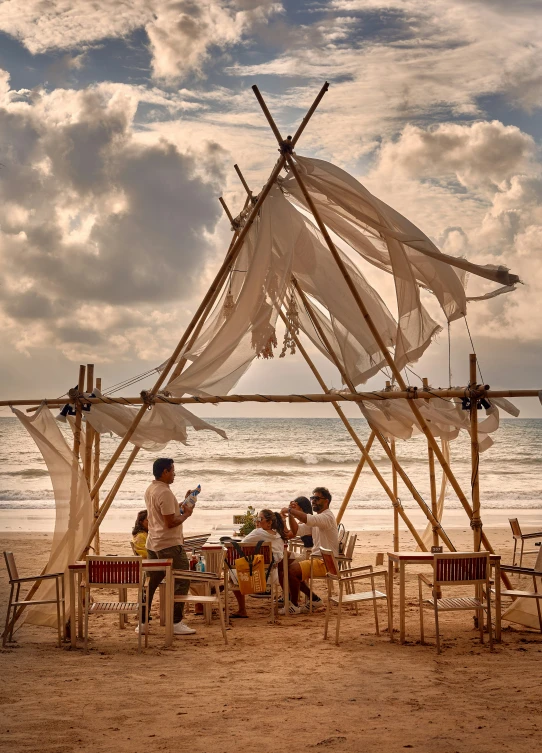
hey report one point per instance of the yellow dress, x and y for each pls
(140, 544)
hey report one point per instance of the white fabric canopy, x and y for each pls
(524, 611)
(160, 425)
(74, 514)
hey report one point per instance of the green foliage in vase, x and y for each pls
(249, 521)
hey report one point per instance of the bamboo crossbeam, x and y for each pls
(350, 397)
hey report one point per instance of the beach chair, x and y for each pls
(521, 594)
(230, 555)
(458, 568)
(523, 537)
(15, 582)
(344, 561)
(115, 573)
(346, 580)
(211, 582)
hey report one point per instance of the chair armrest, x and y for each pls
(536, 535)
(423, 578)
(356, 569)
(36, 577)
(359, 576)
(196, 575)
(520, 570)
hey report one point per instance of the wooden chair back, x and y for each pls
(514, 525)
(461, 567)
(349, 553)
(115, 571)
(330, 562)
(11, 566)
(231, 555)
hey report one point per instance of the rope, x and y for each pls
(474, 350)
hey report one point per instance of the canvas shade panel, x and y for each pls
(223, 352)
(524, 611)
(73, 511)
(161, 424)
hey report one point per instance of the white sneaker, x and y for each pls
(181, 628)
(142, 628)
(292, 609)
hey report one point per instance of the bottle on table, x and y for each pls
(200, 567)
(193, 560)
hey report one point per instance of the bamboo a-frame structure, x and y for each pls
(174, 367)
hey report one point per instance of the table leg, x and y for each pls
(498, 602)
(402, 602)
(169, 605)
(208, 608)
(390, 596)
(73, 624)
(79, 606)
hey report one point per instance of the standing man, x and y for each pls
(322, 526)
(165, 539)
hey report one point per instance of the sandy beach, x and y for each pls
(276, 686)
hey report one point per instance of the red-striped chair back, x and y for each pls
(514, 525)
(114, 570)
(329, 561)
(231, 554)
(11, 566)
(461, 568)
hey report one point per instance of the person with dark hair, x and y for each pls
(139, 534)
(305, 505)
(269, 528)
(322, 525)
(165, 538)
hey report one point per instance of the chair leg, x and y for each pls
(58, 623)
(5, 638)
(328, 611)
(514, 555)
(339, 608)
(374, 607)
(480, 616)
(436, 624)
(489, 623)
(87, 600)
(221, 613)
(521, 553)
(64, 631)
(310, 590)
(420, 605)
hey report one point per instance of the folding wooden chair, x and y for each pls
(344, 561)
(113, 573)
(13, 603)
(453, 568)
(523, 537)
(346, 580)
(211, 581)
(521, 594)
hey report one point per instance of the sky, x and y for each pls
(120, 122)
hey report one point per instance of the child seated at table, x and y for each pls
(269, 528)
(139, 534)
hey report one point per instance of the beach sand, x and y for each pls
(276, 686)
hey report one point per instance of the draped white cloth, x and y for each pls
(160, 425)
(74, 514)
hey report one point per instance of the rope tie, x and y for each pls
(476, 524)
(148, 398)
(286, 146)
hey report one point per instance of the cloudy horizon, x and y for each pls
(120, 122)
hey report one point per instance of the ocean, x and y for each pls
(268, 462)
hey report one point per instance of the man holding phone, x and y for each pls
(165, 538)
(322, 526)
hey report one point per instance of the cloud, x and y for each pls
(90, 216)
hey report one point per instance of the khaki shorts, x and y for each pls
(318, 569)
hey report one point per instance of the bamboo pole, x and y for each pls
(364, 312)
(89, 431)
(353, 397)
(395, 514)
(476, 522)
(410, 486)
(355, 479)
(96, 475)
(243, 181)
(432, 477)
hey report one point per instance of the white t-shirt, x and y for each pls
(160, 501)
(259, 534)
(323, 529)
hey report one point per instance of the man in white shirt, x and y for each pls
(165, 537)
(322, 526)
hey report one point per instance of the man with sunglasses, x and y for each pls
(322, 526)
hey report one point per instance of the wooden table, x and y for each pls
(402, 559)
(75, 574)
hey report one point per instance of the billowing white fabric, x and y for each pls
(74, 514)
(226, 347)
(160, 425)
(427, 535)
(524, 611)
(368, 224)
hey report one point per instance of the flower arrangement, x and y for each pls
(247, 521)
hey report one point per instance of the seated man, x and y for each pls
(323, 528)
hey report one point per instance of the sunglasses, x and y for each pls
(313, 499)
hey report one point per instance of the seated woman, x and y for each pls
(139, 534)
(269, 527)
(306, 506)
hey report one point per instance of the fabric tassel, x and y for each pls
(292, 328)
(263, 343)
(229, 305)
